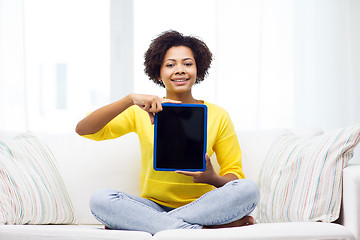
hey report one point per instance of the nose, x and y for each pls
(179, 70)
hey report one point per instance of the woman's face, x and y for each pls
(178, 70)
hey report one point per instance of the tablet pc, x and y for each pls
(180, 132)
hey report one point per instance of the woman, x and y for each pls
(180, 199)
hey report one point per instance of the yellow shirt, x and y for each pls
(169, 188)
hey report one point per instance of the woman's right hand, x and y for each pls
(102, 116)
(150, 103)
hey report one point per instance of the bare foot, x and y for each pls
(245, 221)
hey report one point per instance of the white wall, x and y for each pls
(354, 87)
(12, 90)
(324, 62)
(255, 67)
(278, 63)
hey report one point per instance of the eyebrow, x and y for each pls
(171, 59)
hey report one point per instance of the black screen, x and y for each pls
(180, 135)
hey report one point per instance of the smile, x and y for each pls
(180, 80)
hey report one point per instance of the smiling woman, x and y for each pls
(185, 63)
(154, 56)
(180, 199)
(178, 73)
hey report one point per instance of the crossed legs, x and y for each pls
(227, 206)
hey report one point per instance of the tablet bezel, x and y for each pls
(165, 105)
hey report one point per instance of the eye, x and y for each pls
(169, 65)
(188, 64)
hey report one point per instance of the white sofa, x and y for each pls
(86, 166)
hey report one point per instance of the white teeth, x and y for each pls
(179, 80)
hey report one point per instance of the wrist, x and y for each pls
(130, 99)
(220, 181)
(216, 181)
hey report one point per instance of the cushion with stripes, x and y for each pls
(301, 179)
(32, 190)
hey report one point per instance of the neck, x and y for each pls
(184, 98)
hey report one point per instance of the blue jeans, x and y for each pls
(226, 204)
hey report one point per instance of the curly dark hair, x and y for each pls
(155, 54)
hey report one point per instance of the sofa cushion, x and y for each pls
(32, 191)
(67, 232)
(301, 179)
(269, 231)
(256, 144)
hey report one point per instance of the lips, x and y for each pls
(180, 79)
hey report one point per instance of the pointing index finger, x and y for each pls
(166, 100)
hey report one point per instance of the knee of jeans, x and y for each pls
(254, 191)
(248, 187)
(100, 199)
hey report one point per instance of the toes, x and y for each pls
(250, 220)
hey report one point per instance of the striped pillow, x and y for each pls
(301, 179)
(32, 190)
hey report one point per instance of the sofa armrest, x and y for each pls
(351, 199)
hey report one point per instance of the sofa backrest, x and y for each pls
(87, 165)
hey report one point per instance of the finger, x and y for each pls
(151, 115)
(208, 161)
(207, 157)
(153, 107)
(158, 105)
(146, 107)
(166, 100)
(186, 173)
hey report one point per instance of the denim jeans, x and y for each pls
(226, 204)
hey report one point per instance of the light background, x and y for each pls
(278, 63)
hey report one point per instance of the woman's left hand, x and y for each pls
(209, 176)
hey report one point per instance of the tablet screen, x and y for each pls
(180, 137)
